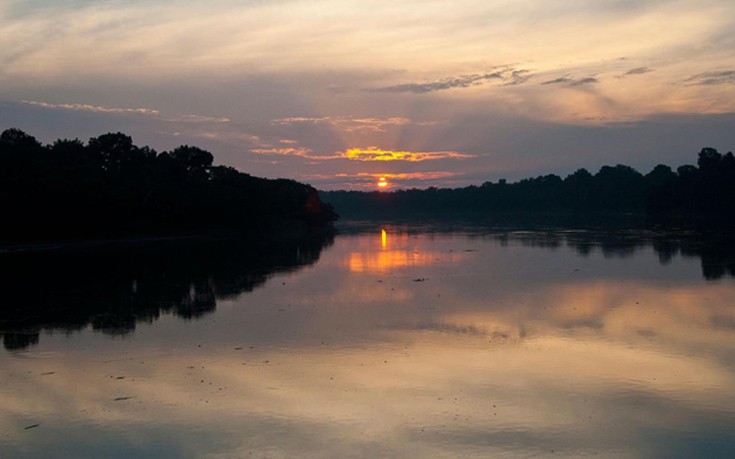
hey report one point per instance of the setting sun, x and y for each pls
(382, 183)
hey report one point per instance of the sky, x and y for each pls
(339, 93)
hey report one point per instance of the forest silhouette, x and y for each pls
(707, 190)
(110, 187)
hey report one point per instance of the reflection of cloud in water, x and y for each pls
(422, 393)
(511, 353)
(684, 320)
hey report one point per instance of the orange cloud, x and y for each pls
(351, 124)
(377, 154)
(400, 176)
(290, 148)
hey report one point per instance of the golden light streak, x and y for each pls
(352, 124)
(395, 253)
(430, 175)
(377, 154)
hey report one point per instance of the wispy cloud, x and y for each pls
(291, 148)
(91, 108)
(351, 124)
(302, 152)
(286, 147)
(197, 119)
(190, 119)
(583, 81)
(235, 138)
(447, 83)
(712, 78)
(636, 71)
(508, 76)
(517, 77)
(569, 81)
(378, 154)
(560, 80)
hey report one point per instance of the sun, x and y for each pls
(382, 183)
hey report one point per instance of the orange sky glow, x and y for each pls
(455, 94)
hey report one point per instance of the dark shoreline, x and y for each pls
(358, 222)
(289, 230)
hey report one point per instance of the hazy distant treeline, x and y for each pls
(707, 189)
(109, 186)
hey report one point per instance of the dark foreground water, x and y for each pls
(384, 342)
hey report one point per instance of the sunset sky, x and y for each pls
(339, 93)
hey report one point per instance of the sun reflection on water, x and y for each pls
(396, 251)
(515, 351)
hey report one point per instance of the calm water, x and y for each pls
(383, 342)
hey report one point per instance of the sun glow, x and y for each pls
(377, 154)
(383, 183)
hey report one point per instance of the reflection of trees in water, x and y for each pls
(715, 249)
(113, 290)
(614, 237)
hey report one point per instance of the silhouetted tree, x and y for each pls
(113, 187)
(705, 190)
(660, 184)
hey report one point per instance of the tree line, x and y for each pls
(111, 187)
(705, 189)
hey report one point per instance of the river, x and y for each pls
(388, 340)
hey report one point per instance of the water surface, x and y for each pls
(388, 341)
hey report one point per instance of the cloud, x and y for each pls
(636, 71)
(91, 108)
(559, 80)
(351, 124)
(235, 138)
(447, 83)
(431, 175)
(508, 76)
(583, 81)
(377, 154)
(368, 180)
(286, 151)
(518, 77)
(712, 78)
(369, 154)
(197, 119)
(191, 119)
(286, 147)
(569, 81)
